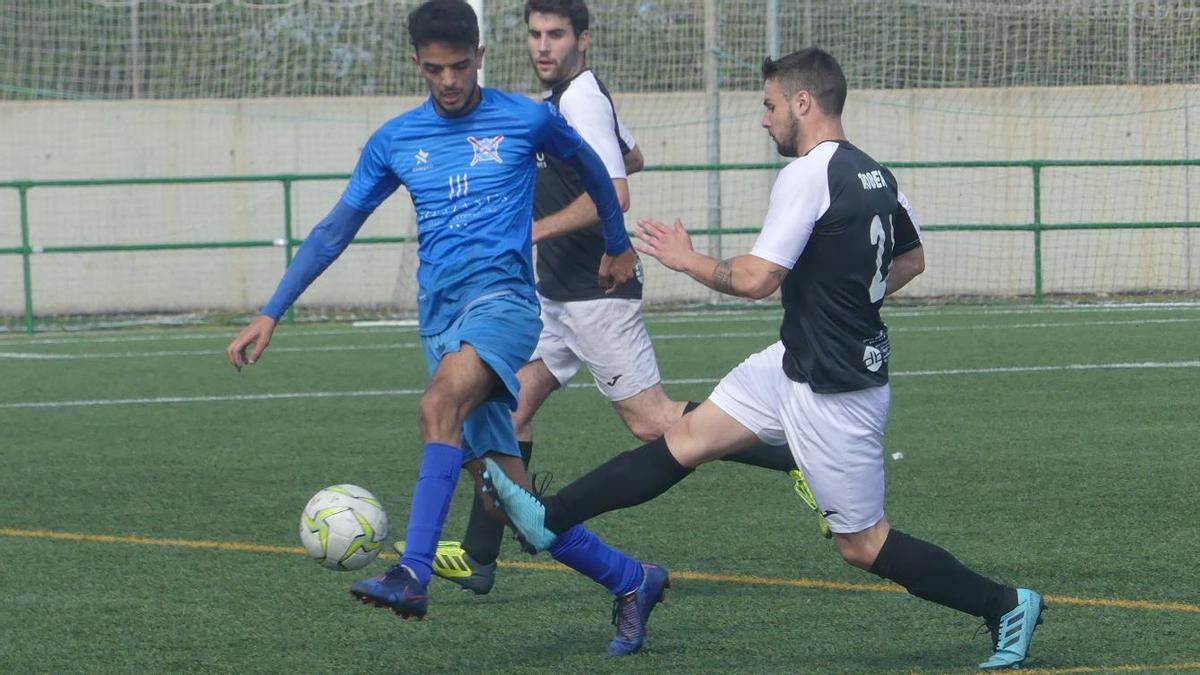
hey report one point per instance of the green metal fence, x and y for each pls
(288, 242)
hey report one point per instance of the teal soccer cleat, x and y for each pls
(632, 610)
(526, 513)
(1013, 634)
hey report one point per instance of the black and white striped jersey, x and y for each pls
(836, 219)
(567, 265)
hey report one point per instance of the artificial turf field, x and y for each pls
(151, 497)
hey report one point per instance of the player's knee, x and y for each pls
(437, 411)
(523, 422)
(856, 551)
(646, 427)
(645, 432)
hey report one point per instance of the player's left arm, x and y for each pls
(747, 276)
(908, 255)
(633, 159)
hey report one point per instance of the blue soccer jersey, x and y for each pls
(471, 179)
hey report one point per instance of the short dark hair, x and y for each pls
(575, 10)
(450, 21)
(814, 70)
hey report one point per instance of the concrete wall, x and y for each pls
(196, 138)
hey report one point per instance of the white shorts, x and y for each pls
(836, 439)
(608, 335)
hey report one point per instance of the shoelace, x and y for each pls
(625, 616)
(994, 631)
(397, 571)
(541, 481)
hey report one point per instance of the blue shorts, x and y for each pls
(503, 330)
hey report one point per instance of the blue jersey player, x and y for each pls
(468, 158)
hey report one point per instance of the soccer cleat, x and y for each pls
(452, 563)
(632, 610)
(805, 493)
(525, 512)
(397, 588)
(1013, 633)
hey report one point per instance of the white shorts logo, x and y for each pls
(872, 359)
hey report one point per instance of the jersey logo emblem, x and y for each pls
(486, 149)
(422, 157)
(613, 381)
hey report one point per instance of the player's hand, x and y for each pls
(618, 270)
(258, 333)
(669, 244)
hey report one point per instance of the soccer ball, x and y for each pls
(343, 527)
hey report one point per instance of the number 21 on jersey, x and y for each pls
(879, 239)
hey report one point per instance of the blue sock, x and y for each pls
(581, 550)
(430, 504)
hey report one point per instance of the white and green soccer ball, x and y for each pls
(343, 527)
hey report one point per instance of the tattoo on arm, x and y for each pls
(779, 275)
(722, 277)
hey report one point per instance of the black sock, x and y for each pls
(630, 478)
(485, 534)
(931, 573)
(773, 457)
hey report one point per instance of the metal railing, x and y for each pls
(288, 242)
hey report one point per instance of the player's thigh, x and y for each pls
(611, 339)
(837, 441)
(503, 332)
(462, 379)
(707, 433)
(556, 344)
(751, 394)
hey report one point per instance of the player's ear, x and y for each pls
(416, 60)
(479, 57)
(582, 41)
(802, 101)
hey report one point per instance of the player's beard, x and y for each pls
(464, 100)
(787, 143)
(564, 69)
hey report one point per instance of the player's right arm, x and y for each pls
(372, 182)
(798, 199)
(320, 248)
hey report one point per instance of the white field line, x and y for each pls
(44, 356)
(221, 337)
(1145, 365)
(951, 310)
(49, 356)
(682, 316)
